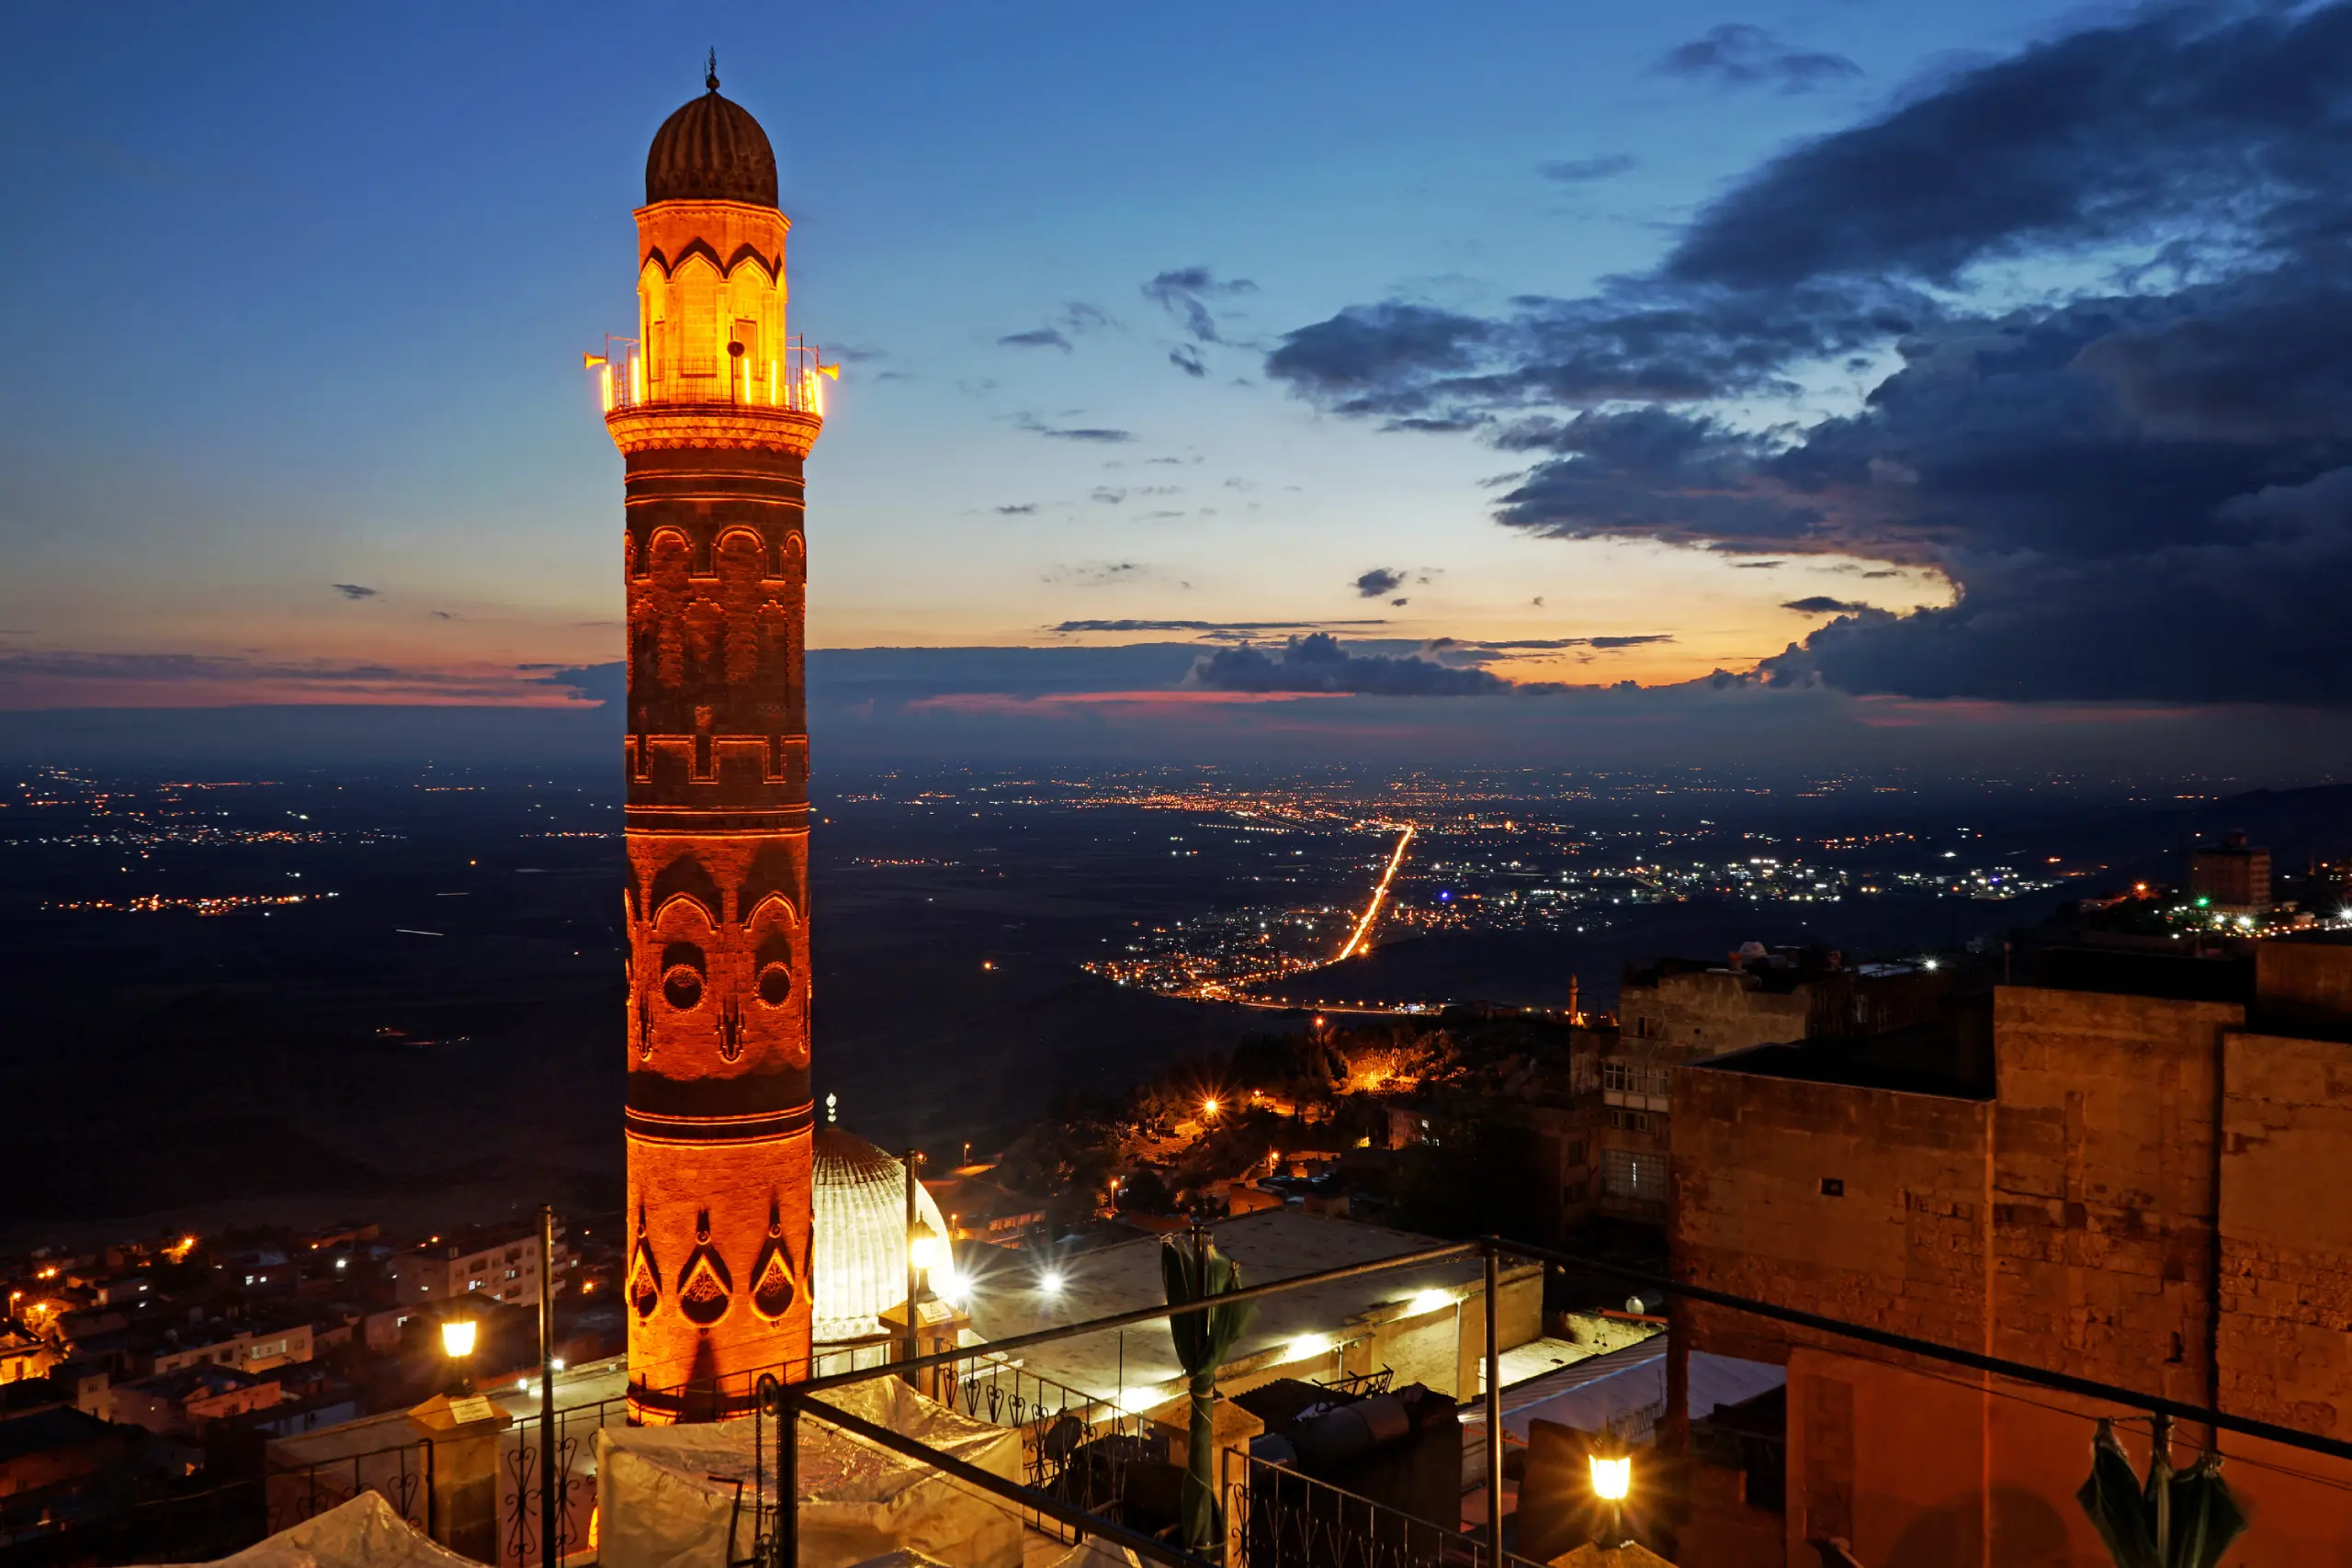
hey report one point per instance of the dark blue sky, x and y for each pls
(1569, 344)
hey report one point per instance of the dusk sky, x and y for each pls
(1561, 345)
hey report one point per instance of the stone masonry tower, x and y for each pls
(714, 409)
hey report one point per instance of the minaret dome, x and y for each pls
(711, 149)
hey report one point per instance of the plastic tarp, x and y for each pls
(362, 1533)
(669, 1496)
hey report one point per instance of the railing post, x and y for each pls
(787, 1480)
(1494, 1403)
(548, 1523)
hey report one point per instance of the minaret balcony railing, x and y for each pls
(793, 381)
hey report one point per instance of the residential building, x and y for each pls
(2125, 1183)
(251, 1345)
(501, 1264)
(178, 1403)
(2233, 877)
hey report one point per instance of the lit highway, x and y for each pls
(1379, 896)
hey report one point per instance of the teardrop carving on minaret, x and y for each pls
(644, 1273)
(773, 1285)
(706, 1288)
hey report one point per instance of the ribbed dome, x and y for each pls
(711, 149)
(861, 1215)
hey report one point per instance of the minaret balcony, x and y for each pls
(738, 399)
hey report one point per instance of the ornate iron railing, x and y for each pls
(401, 1474)
(522, 1450)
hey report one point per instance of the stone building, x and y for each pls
(2132, 1184)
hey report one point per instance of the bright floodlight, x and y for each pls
(1208, 1107)
(458, 1337)
(1612, 1478)
(1050, 1283)
(1429, 1299)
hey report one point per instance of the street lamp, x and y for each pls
(457, 1344)
(1612, 1478)
(922, 1248)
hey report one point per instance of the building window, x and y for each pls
(1629, 1120)
(1635, 1078)
(1641, 1177)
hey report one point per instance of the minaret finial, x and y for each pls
(710, 71)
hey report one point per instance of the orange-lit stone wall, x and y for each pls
(2149, 1202)
(719, 1121)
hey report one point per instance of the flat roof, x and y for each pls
(1270, 1246)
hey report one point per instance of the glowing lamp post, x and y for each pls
(1613, 1479)
(457, 1344)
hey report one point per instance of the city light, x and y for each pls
(1611, 1478)
(458, 1337)
(1208, 1108)
(1430, 1300)
(1049, 1283)
(1307, 1346)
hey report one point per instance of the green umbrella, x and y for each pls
(1195, 1274)
(2174, 1519)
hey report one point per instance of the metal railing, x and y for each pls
(522, 1450)
(736, 374)
(1279, 1517)
(402, 1474)
(1276, 1516)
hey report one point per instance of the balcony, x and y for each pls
(732, 398)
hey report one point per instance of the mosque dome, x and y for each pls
(711, 149)
(861, 1218)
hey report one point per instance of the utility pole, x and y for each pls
(914, 1277)
(548, 1523)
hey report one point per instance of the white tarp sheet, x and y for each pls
(362, 1533)
(666, 1495)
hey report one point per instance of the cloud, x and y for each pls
(1209, 629)
(1101, 435)
(2094, 294)
(1317, 663)
(1076, 320)
(606, 686)
(1023, 509)
(1555, 642)
(352, 590)
(1379, 580)
(34, 678)
(1101, 574)
(1738, 54)
(442, 615)
(1585, 171)
(1186, 294)
(1823, 604)
(1187, 359)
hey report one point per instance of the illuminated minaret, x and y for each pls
(714, 408)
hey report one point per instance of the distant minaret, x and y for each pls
(1572, 999)
(715, 408)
